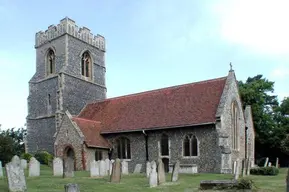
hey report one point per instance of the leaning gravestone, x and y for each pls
(236, 176)
(148, 169)
(137, 168)
(175, 174)
(23, 163)
(277, 163)
(266, 162)
(107, 163)
(1, 169)
(116, 172)
(94, 168)
(34, 167)
(161, 172)
(15, 176)
(124, 167)
(68, 168)
(71, 187)
(57, 166)
(153, 176)
(102, 168)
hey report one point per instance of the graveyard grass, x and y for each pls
(138, 182)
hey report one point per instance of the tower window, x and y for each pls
(86, 65)
(50, 62)
(49, 99)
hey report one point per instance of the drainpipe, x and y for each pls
(146, 144)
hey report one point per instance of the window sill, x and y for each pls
(190, 157)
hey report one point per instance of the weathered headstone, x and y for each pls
(137, 168)
(153, 176)
(107, 163)
(116, 172)
(148, 169)
(23, 163)
(1, 169)
(175, 174)
(102, 168)
(269, 164)
(234, 167)
(15, 160)
(34, 167)
(236, 176)
(71, 187)
(68, 167)
(15, 176)
(124, 167)
(57, 166)
(94, 168)
(161, 172)
(266, 162)
(277, 163)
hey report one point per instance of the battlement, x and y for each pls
(67, 25)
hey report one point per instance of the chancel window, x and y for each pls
(86, 65)
(234, 123)
(50, 62)
(123, 148)
(190, 146)
(98, 155)
(164, 145)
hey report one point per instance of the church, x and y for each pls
(202, 124)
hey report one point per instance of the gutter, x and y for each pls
(159, 128)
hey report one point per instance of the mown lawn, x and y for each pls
(47, 183)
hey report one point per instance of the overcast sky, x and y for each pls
(150, 43)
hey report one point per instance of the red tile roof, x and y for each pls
(91, 132)
(183, 105)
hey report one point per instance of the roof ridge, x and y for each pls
(158, 90)
(80, 118)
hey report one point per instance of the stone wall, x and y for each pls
(69, 136)
(209, 154)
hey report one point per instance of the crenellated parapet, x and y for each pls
(67, 25)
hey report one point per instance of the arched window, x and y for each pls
(123, 148)
(190, 146)
(50, 62)
(234, 123)
(98, 155)
(86, 65)
(164, 145)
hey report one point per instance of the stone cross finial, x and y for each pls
(231, 67)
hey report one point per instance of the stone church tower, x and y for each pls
(70, 72)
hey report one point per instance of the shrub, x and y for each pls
(26, 156)
(245, 183)
(44, 157)
(265, 171)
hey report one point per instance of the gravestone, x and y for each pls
(1, 169)
(68, 167)
(15, 160)
(110, 166)
(23, 163)
(248, 168)
(234, 167)
(71, 187)
(57, 166)
(15, 176)
(175, 174)
(124, 167)
(116, 172)
(107, 163)
(236, 176)
(266, 162)
(277, 163)
(34, 167)
(161, 172)
(148, 169)
(94, 168)
(102, 168)
(137, 168)
(153, 176)
(269, 164)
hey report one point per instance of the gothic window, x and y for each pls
(86, 65)
(98, 155)
(164, 145)
(190, 146)
(50, 62)
(123, 148)
(234, 123)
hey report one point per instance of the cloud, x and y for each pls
(260, 25)
(280, 72)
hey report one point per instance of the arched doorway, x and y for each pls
(69, 159)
